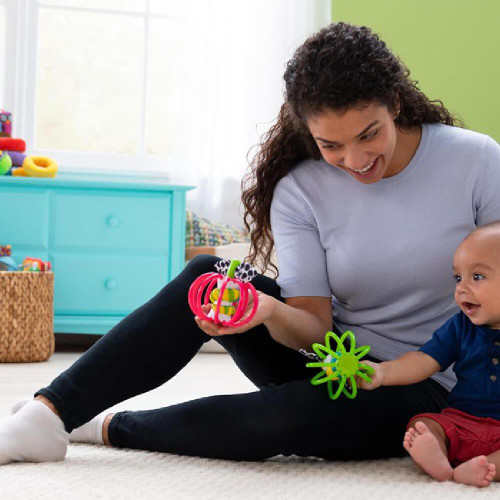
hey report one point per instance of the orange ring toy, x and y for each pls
(39, 166)
(19, 172)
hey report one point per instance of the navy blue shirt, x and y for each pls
(475, 350)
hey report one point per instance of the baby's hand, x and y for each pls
(377, 376)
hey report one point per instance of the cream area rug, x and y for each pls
(91, 471)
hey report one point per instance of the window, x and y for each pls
(151, 86)
(2, 51)
(104, 79)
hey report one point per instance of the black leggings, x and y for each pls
(286, 415)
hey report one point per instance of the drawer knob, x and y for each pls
(113, 221)
(111, 284)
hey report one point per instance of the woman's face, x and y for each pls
(362, 141)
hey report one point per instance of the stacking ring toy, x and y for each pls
(12, 144)
(340, 365)
(16, 157)
(5, 163)
(39, 166)
(230, 298)
(19, 172)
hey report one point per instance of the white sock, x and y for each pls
(33, 434)
(91, 432)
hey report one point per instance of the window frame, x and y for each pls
(20, 94)
(20, 91)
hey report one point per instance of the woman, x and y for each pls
(365, 188)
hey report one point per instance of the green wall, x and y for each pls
(452, 47)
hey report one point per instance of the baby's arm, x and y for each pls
(409, 368)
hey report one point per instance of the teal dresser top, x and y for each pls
(96, 181)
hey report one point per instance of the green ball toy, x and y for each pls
(340, 366)
(5, 163)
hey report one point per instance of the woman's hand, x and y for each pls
(377, 376)
(265, 309)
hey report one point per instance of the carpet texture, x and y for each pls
(91, 471)
(99, 472)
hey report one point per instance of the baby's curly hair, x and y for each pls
(338, 68)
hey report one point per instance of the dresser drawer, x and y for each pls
(111, 220)
(106, 285)
(24, 215)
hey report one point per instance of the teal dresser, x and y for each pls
(113, 243)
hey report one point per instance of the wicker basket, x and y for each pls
(26, 316)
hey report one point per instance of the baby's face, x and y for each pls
(476, 267)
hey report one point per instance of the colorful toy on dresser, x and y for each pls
(13, 159)
(5, 123)
(7, 263)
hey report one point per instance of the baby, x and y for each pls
(462, 442)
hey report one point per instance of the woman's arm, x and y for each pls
(297, 323)
(300, 321)
(409, 368)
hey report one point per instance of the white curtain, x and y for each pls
(235, 89)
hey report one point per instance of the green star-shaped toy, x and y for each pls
(340, 365)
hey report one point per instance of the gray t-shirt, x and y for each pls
(384, 251)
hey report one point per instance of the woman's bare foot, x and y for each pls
(476, 472)
(424, 448)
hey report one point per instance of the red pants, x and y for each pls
(469, 436)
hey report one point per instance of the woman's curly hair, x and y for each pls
(338, 68)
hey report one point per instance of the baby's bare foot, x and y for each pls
(424, 448)
(410, 435)
(476, 472)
